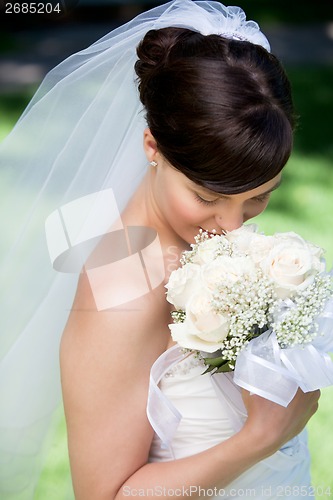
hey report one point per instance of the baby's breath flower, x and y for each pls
(248, 299)
(295, 321)
(178, 316)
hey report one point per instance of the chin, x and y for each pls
(191, 239)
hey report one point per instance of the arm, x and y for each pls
(105, 361)
(218, 466)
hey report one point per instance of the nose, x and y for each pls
(230, 220)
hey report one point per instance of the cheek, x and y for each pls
(255, 210)
(182, 208)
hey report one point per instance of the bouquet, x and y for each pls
(258, 305)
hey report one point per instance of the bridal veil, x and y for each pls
(68, 169)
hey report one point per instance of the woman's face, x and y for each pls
(187, 207)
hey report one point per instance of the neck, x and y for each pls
(142, 210)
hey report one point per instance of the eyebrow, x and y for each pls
(220, 195)
(276, 185)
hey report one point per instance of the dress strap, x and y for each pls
(162, 414)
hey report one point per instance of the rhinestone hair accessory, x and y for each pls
(231, 23)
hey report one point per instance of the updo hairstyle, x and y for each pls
(220, 110)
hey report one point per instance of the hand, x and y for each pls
(272, 424)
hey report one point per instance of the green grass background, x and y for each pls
(303, 203)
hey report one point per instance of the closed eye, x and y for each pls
(262, 199)
(204, 201)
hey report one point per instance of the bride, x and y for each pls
(217, 131)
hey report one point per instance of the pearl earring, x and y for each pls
(153, 163)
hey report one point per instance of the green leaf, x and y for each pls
(224, 368)
(209, 369)
(215, 361)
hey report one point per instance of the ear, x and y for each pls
(150, 146)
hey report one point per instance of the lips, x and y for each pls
(210, 233)
(214, 232)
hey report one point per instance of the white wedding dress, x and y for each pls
(207, 419)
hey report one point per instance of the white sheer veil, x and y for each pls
(80, 135)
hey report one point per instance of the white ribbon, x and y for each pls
(265, 369)
(162, 414)
(262, 368)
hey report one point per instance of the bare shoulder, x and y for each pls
(106, 356)
(146, 309)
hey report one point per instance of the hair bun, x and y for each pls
(153, 53)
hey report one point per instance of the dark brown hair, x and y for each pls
(220, 110)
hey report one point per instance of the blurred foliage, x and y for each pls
(287, 11)
(304, 202)
(320, 440)
(55, 482)
(7, 42)
(313, 96)
(11, 108)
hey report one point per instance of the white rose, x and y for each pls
(292, 264)
(260, 247)
(182, 284)
(241, 238)
(315, 250)
(246, 229)
(180, 334)
(206, 251)
(203, 328)
(226, 270)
